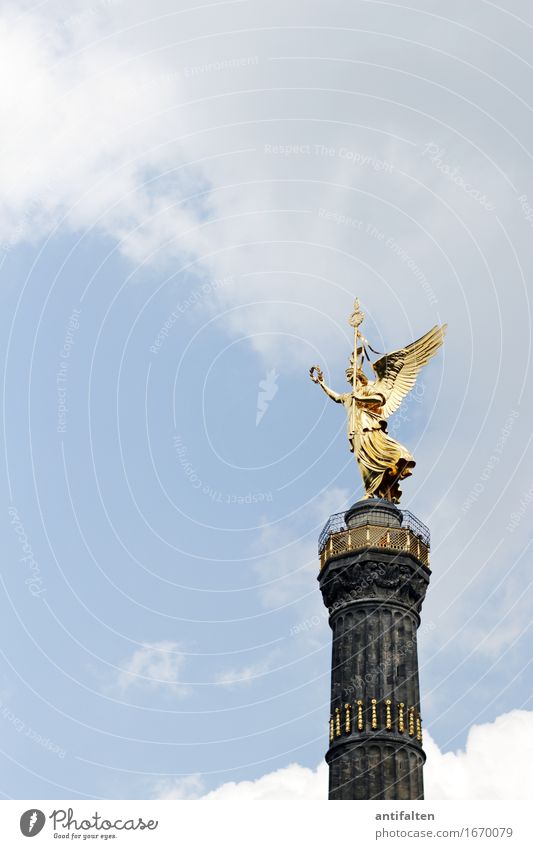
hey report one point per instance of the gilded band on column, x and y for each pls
(347, 718)
(374, 713)
(401, 726)
(337, 722)
(360, 723)
(388, 715)
(345, 721)
(411, 714)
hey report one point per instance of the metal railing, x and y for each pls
(412, 536)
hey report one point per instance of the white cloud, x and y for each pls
(81, 137)
(189, 787)
(289, 783)
(496, 764)
(246, 674)
(155, 665)
(101, 128)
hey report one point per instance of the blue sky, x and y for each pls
(191, 200)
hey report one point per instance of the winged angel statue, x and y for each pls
(382, 461)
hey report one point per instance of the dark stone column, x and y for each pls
(374, 595)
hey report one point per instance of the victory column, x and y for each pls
(374, 573)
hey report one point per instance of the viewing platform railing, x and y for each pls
(335, 539)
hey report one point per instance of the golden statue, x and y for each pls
(382, 461)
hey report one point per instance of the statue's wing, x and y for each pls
(397, 372)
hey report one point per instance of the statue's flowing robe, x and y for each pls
(382, 461)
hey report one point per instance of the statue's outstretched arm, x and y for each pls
(319, 378)
(335, 396)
